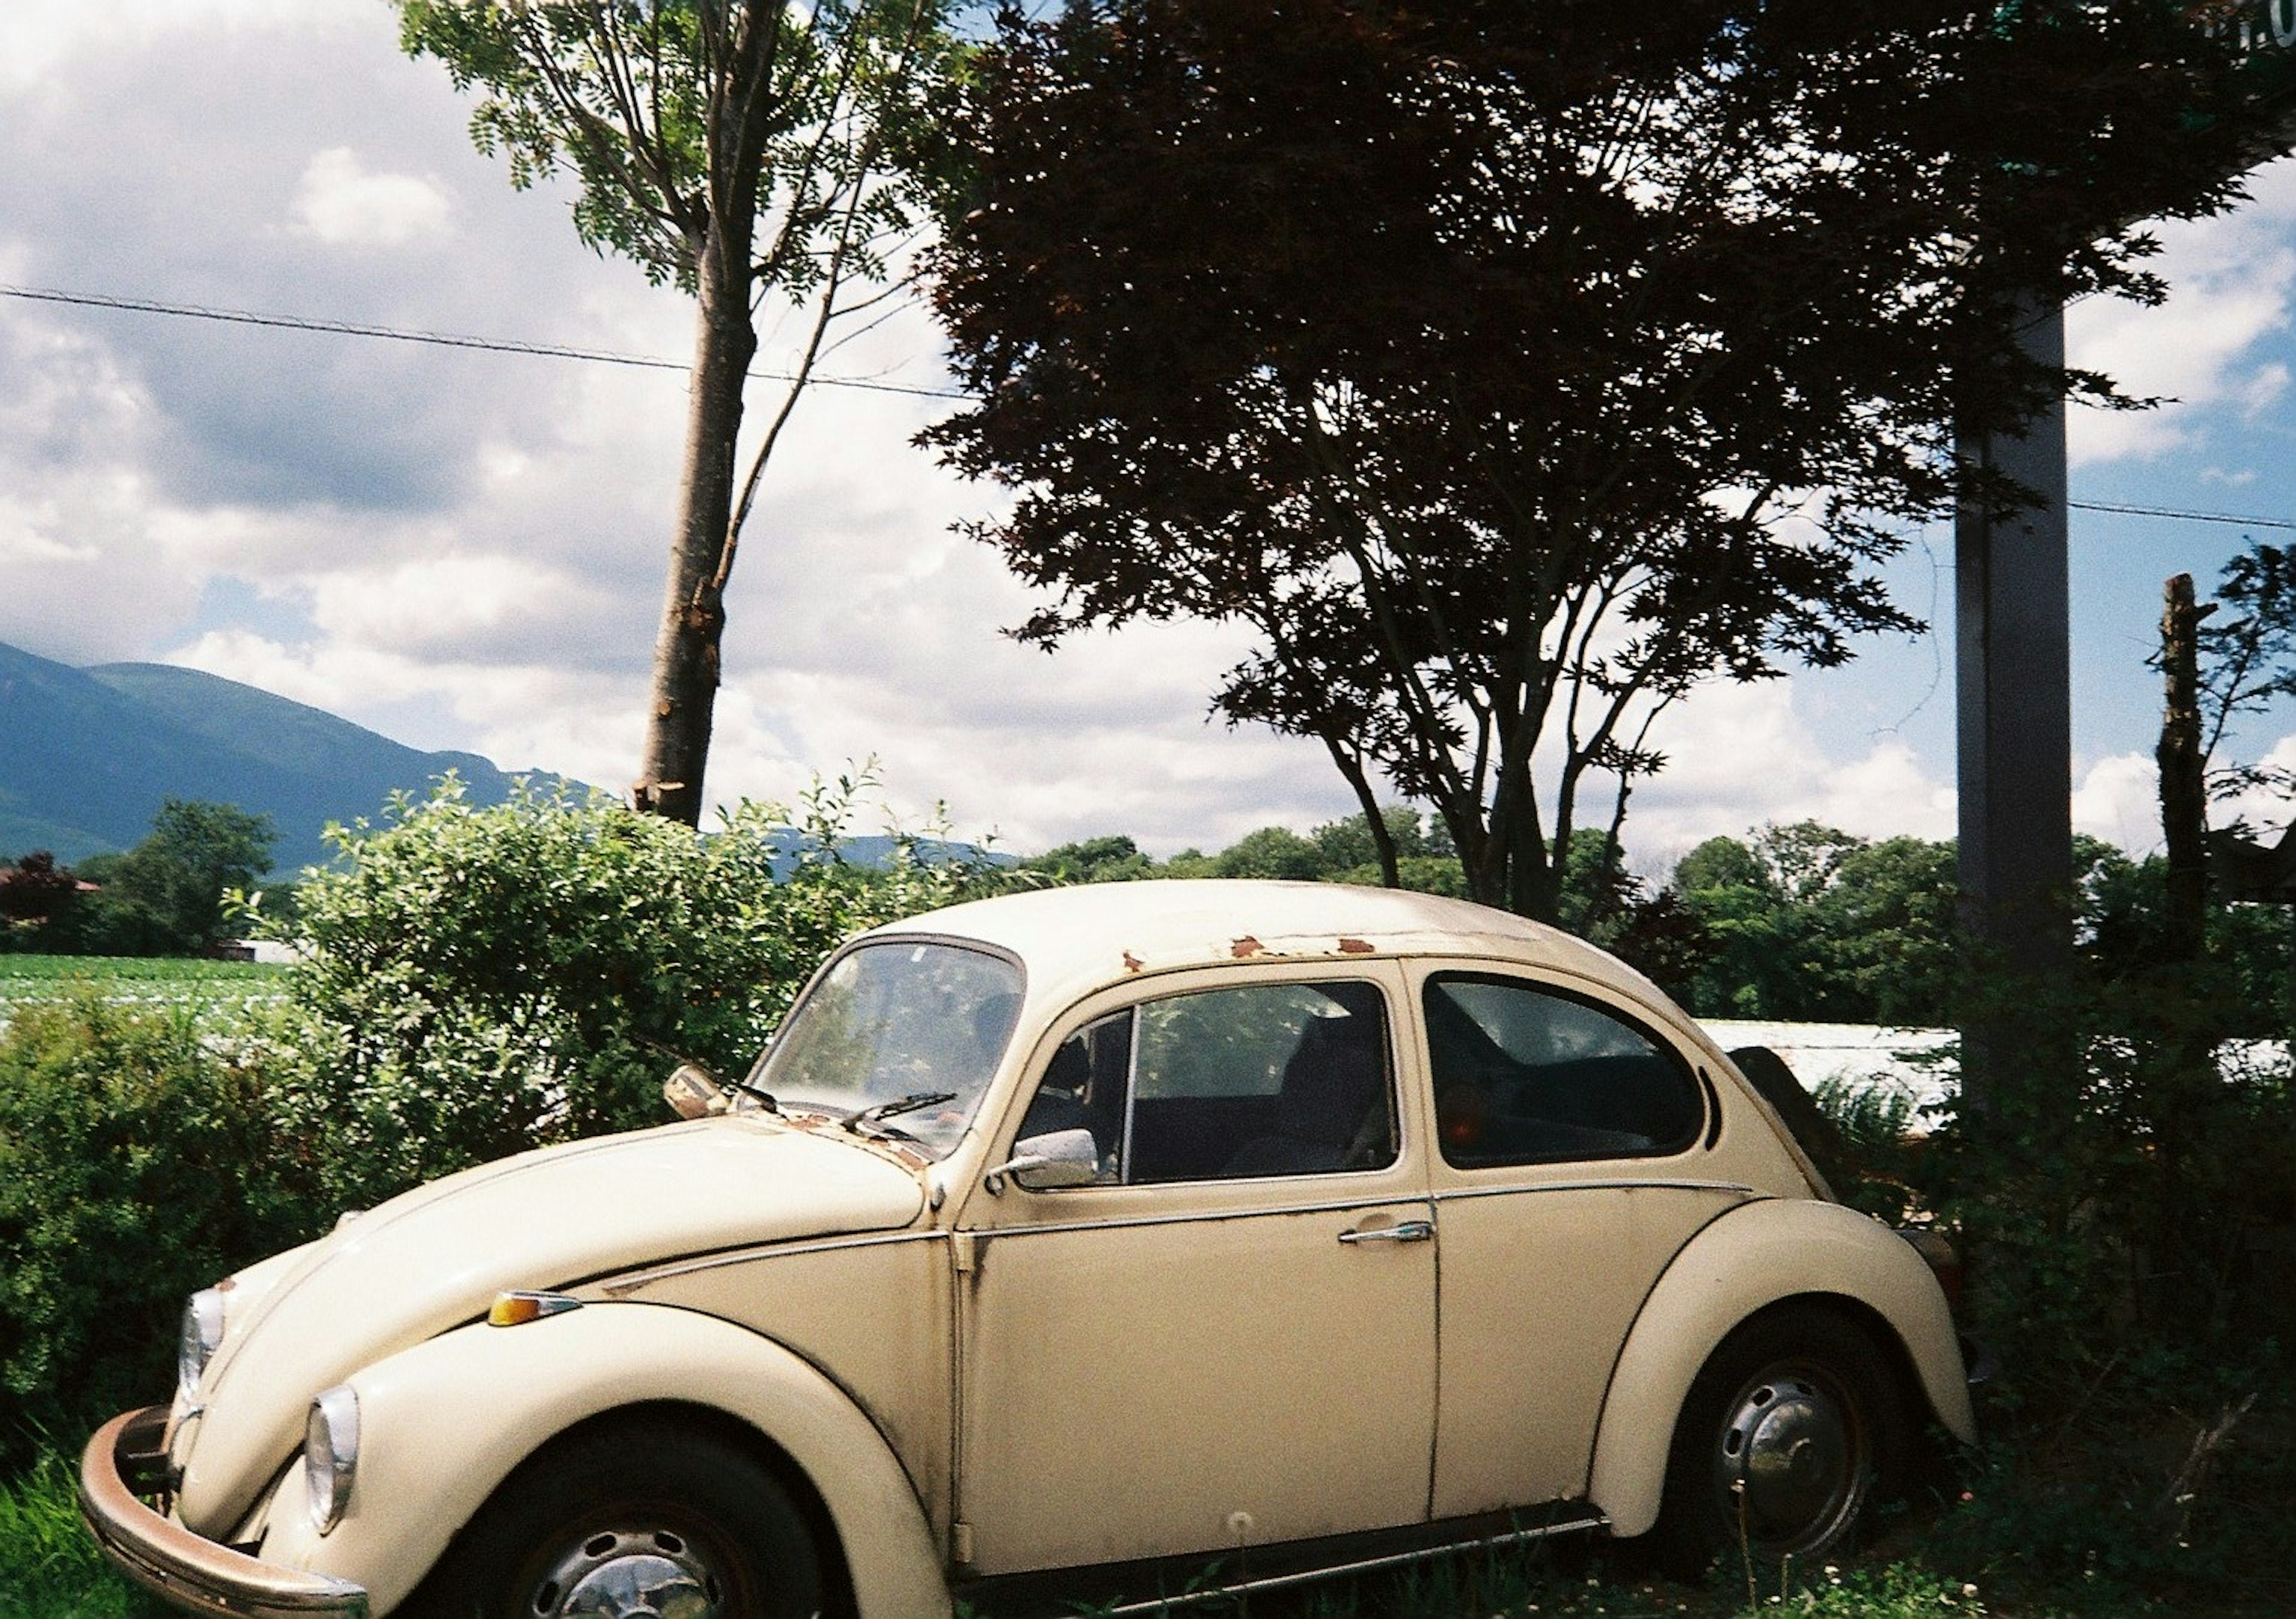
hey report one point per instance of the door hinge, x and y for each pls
(961, 1252)
(960, 1544)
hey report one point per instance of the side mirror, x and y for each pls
(1043, 1163)
(692, 1092)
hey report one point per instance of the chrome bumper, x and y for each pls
(188, 1570)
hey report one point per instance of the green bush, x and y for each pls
(2127, 1205)
(138, 1160)
(478, 980)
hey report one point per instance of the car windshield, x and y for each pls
(899, 1039)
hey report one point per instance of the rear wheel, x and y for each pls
(1791, 1427)
(659, 1521)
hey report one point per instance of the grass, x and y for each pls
(49, 1567)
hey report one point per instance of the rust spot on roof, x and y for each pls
(1133, 963)
(1356, 948)
(1246, 946)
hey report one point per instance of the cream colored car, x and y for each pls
(1068, 1245)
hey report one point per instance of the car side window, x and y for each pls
(1262, 1079)
(1525, 1074)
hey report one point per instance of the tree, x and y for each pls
(1810, 922)
(2245, 641)
(1115, 858)
(741, 149)
(166, 895)
(1511, 369)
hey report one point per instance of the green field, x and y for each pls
(151, 979)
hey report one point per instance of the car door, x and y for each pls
(1577, 1154)
(1228, 1339)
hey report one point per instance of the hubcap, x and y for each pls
(629, 1574)
(1791, 1464)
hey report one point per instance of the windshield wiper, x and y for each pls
(877, 1112)
(764, 1099)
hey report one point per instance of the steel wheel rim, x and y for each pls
(625, 1569)
(1793, 1460)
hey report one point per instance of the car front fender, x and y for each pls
(441, 1425)
(1758, 1254)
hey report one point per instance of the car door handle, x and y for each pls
(1404, 1230)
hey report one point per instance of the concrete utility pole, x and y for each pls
(2012, 647)
(2014, 681)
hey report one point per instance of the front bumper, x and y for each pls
(185, 1569)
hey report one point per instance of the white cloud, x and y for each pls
(2232, 282)
(2117, 798)
(1740, 757)
(344, 205)
(39, 38)
(2265, 388)
(444, 601)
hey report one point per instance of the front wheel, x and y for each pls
(658, 1521)
(1789, 1430)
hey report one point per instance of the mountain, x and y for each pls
(86, 757)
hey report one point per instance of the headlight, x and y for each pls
(330, 1439)
(202, 1333)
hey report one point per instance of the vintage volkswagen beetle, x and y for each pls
(1089, 1237)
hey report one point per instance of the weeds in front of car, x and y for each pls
(49, 1567)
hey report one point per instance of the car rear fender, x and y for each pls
(1758, 1254)
(443, 1424)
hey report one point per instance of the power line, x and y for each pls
(2187, 516)
(444, 340)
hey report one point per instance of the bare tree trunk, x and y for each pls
(685, 659)
(2184, 784)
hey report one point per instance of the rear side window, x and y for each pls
(1525, 1074)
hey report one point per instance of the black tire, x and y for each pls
(1790, 1430)
(660, 1506)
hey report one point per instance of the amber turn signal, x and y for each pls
(517, 1309)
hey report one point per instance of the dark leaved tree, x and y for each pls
(1509, 369)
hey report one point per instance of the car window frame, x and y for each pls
(1689, 1069)
(1403, 1176)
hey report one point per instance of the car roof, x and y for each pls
(1075, 939)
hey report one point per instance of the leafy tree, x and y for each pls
(741, 149)
(169, 895)
(1272, 851)
(1810, 922)
(1510, 369)
(1094, 860)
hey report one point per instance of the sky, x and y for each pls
(464, 549)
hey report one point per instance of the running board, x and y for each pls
(1340, 1556)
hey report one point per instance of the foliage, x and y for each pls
(1812, 924)
(1345, 850)
(2247, 654)
(741, 148)
(478, 980)
(49, 1565)
(140, 1158)
(168, 895)
(1401, 337)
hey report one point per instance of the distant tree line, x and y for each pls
(1801, 922)
(168, 895)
